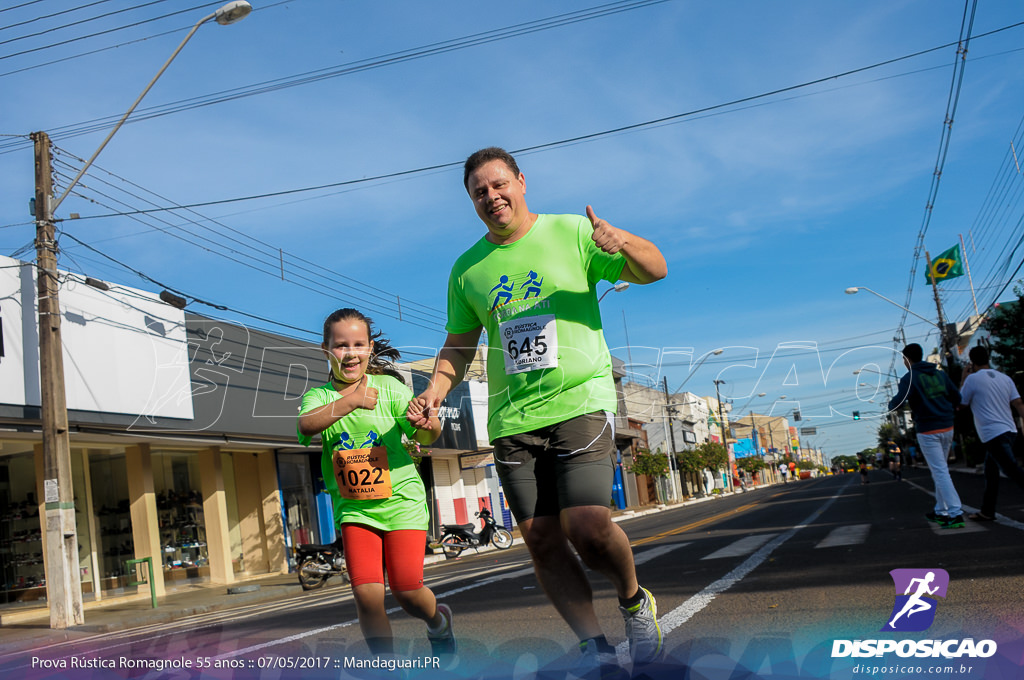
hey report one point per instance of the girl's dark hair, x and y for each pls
(382, 361)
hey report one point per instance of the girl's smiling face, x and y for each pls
(348, 349)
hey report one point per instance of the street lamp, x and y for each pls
(693, 370)
(618, 288)
(853, 290)
(63, 584)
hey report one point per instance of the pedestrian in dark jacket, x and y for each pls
(933, 399)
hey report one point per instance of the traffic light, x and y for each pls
(796, 415)
(856, 415)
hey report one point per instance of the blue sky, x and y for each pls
(765, 210)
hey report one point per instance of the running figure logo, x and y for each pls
(504, 288)
(534, 285)
(915, 608)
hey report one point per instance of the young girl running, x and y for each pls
(380, 504)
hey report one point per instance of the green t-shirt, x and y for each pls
(383, 426)
(547, 360)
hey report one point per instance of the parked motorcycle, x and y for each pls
(457, 537)
(317, 563)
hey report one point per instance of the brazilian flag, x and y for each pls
(948, 265)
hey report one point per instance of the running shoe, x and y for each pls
(443, 642)
(952, 522)
(642, 629)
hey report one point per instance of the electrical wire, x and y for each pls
(547, 145)
(62, 12)
(24, 4)
(104, 32)
(272, 252)
(952, 101)
(123, 44)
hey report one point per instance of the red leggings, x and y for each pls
(368, 551)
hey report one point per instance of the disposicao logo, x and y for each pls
(915, 598)
(914, 611)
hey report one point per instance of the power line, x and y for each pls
(57, 14)
(952, 99)
(554, 144)
(273, 256)
(104, 32)
(123, 44)
(24, 4)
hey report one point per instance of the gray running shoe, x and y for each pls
(642, 629)
(443, 643)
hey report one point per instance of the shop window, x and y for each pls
(22, 576)
(179, 505)
(112, 510)
(297, 497)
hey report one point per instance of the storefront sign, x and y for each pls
(468, 461)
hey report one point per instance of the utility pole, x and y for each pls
(672, 436)
(63, 584)
(946, 342)
(725, 439)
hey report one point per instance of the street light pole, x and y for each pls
(672, 437)
(63, 583)
(721, 426)
(853, 290)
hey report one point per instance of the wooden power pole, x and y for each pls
(63, 584)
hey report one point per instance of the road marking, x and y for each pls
(743, 546)
(643, 557)
(966, 509)
(852, 534)
(697, 524)
(648, 555)
(695, 604)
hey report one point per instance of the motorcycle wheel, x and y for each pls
(453, 545)
(310, 581)
(501, 539)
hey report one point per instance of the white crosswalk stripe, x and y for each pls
(743, 546)
(851, 534)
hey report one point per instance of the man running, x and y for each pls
(530, 282)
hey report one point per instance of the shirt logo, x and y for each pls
(345, 440)
(507, 290)
(915, 605)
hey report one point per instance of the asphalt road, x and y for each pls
(759, 584)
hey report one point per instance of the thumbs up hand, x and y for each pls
(608, 238)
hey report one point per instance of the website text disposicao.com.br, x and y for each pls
(910, 670)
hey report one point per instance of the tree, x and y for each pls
(714, 455)
(845, 462)
(750, 464)
(652, 464)
(690, 460)
(1006, 324)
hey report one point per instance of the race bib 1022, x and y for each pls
(363, 474)
(529, 343)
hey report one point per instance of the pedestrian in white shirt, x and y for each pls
(993, 398)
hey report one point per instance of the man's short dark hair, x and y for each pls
(491, 153)
(913, 352)
(979, 355)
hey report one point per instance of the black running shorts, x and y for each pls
(559, 466)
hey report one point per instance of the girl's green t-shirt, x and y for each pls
(547, 360)
(406, 508)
